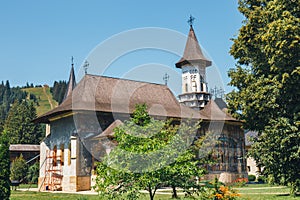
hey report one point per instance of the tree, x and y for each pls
(33, 173)
(19, 125)
(267, 82)
(150, 154)
(4, 166)
(19, 169)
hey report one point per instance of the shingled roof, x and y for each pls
(212, 112)
(192, 52)
(106, 94)
(71, 83)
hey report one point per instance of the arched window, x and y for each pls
(54, 156)
(62, 148)
(186, 87)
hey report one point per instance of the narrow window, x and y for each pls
(62, 148)
(69, 154)
(54, 156)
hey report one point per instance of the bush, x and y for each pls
(33, 173)
(19, 169)
(261, 179)
(251, 177)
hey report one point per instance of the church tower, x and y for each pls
(193, 64)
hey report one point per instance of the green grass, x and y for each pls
(265, 192)
(250, 192)
(44, 96)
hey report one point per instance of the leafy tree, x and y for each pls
(150, 154)
(19, 124)
(4, 166)
(19, 169)
(267, 79)
(33, 173)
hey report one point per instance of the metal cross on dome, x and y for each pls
(191, 20)
(166, 78)
(85, 66)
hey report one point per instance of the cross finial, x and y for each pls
(191, 20)
(72, 61)
(85, 66)
(166, 78)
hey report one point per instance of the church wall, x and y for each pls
(228, 151)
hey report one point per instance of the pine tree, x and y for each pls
(5, 167)
(19, 124)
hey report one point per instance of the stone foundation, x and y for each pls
(225, 177)
(70, 183)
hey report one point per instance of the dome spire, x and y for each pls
(192, 52)
(72, 82)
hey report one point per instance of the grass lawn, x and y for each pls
(44, 98)
(265, 192)
(250, 192)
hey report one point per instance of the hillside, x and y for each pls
(45, 99)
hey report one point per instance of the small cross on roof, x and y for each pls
(191, 20)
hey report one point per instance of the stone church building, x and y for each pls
(80, 129)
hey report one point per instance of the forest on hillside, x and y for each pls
(18, 109)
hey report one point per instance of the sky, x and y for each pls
(38, 39)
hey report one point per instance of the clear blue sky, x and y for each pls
(38, 38)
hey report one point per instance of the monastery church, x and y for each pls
(80, 130)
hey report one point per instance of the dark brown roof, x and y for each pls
(221, 103)
(192, 52)
(212, 112)
(24, 147)
(109, 131)
(71, 83)
(106, 94)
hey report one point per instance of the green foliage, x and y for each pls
(18, 169)
(251, 177)
(267, 80)
(4, 166)
(33, 173)
(8, 95)
(19, 125)
(150, 154)
(58, 90)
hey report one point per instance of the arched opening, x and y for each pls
(62, 148)
(54, 156)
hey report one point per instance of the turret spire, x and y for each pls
(72, 82)
(192, 52)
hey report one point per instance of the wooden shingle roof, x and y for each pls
(106, 94)
(192, 52)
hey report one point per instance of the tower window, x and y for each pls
(186, 87)
(194, 85)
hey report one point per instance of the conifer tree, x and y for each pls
(5, 167)
(19, 124)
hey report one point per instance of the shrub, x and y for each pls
(261, 179)
(33, 173)
(18, 169)
(251, 177)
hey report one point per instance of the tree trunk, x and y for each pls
(174, 195)
(150, 193)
